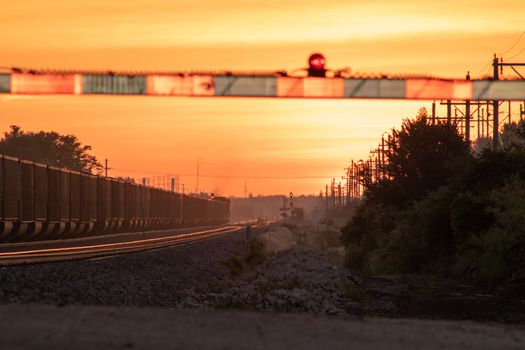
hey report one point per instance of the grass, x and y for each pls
(254, 255)
(355, 293)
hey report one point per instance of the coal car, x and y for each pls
(44, 202)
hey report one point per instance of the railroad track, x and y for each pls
(41, 252)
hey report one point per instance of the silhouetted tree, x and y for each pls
(513, 136)
(421, 157)
(51, 148)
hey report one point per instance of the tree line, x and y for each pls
(50, 148)
(443, 208)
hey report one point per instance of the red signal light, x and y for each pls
(316, 65)
(317, 61)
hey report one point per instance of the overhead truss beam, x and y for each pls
(260, 86)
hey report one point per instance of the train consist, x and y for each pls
(43, 202)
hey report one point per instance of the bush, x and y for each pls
(493, 265)
(355, 258)
(502, 247)
(459, 214)
(332, 237)
(255, 255)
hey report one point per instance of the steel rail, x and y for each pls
(108, 249)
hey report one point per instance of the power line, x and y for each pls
(516, 55)
(514, 45)
(228, 176)
(503, 53)
(482, 69)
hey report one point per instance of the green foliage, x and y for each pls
(442, 207)
(468, 215)
(421, 158)
(502, 247)
(332, 237)
(421, 236)
(355, 258)
(513, 136)
(254, 255)
(355, 293)
(51, 148)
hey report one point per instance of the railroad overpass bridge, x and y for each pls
(317, 83)
(257, 84)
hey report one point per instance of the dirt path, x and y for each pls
(89, 327)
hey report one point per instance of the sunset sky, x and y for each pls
(243, 138)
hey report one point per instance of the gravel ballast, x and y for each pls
(198, 275)
(294, 280)
(189, 276)
(152, 278)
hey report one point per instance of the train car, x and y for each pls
(26, 212)
(40, 190)
(131, 218)
(24, 199)
(188, 211)
(57, 222)
(145, 206)
(40, 202)
(154, 208)
(223, 204)
(10, 192)
(54, 225)
(88, 203)
(74, 204)
(118, 205)
(103, 223)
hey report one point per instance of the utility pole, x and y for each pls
(383, 155)
(106, 168)
(198, 168)
(326, 199)
(348, 187)
(339, 197)
(500, 65)
(510, 113)
(479, 120)
(332, 190)
(449, 112)
(467, 116)
(495, 108)
(434, 113)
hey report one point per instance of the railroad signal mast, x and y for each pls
(284, 209)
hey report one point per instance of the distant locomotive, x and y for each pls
(43, 202)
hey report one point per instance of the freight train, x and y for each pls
(39, 202)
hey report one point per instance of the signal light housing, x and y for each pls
(316, 65)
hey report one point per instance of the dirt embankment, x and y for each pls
(301, 270)
(298, 271)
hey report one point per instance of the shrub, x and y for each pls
(502, 247)
(355, 258)
(442, 211)
(255, 255)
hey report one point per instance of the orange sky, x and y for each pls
(241, 136)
